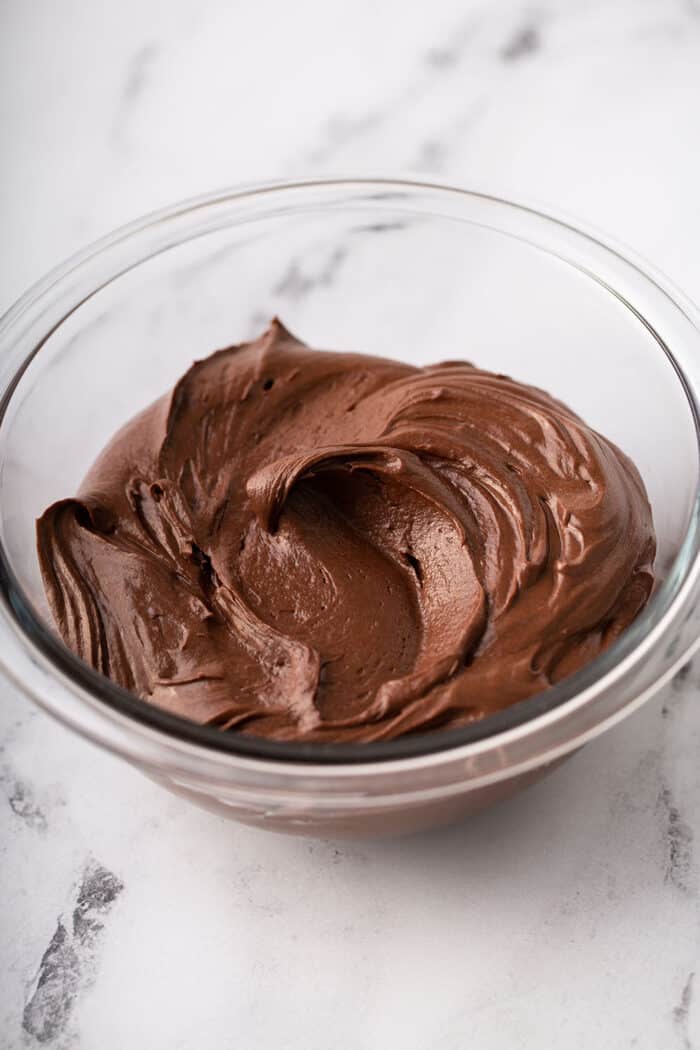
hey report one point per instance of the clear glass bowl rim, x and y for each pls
(101, 710)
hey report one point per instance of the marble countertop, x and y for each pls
(568, 917)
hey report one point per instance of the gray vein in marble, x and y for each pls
(680, 679)
(297, 282)
(679, 844)
(69, 963)
(47, 1011)
(450, 53)
(381, 227)
(434, 154)
(681, 1011)
(138, 72)
(341, 130)
(12, 730)
(525, 42)
(136, 80)
(679, 685)
(181, 276)
(23, 804)
(247, 879)
(330, 852)
(299, 279)
(520, 41)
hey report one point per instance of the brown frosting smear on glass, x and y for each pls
(333, 547)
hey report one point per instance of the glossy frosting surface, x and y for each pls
(310, 545)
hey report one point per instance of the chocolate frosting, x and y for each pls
(323, 546)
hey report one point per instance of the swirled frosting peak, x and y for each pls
(327, 546)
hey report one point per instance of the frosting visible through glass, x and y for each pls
(309, 545)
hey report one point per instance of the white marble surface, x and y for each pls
(569, 917)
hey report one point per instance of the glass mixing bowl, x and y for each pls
(417, 272)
